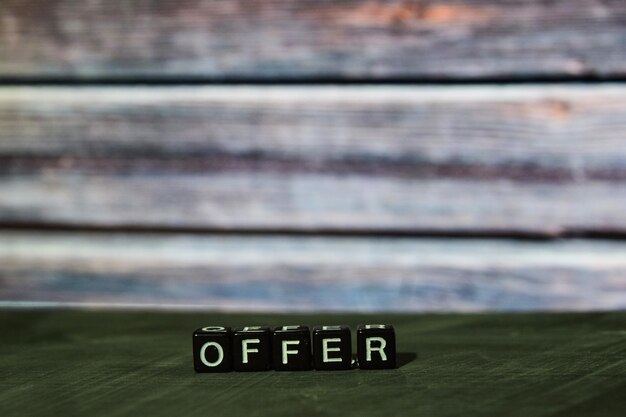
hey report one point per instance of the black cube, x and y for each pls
(212, 349)
(332, 348)
(252, 349)
(291, 348)
(376, 346)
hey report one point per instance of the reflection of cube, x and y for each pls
(212, 349)
(252, 349)
(376, 346)
(332, 347)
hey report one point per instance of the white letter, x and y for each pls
(220, 354)
(380, 349)
(247, 329)
(291, 327)
(213, 329)
(286, 351)
(326, 349)
(245, 350)
(375, 326)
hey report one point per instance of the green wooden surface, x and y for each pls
(139, 363)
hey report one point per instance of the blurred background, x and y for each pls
(313, 155)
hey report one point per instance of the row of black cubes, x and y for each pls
(292, 348)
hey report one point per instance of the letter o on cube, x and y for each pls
(212, 349)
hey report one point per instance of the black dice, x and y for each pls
(252, 349)
(332, 348)
(212, 349)
(376, 346)
(291, 348)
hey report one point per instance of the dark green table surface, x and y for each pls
(61, 363)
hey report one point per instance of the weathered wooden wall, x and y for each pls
(412, 189)
(296, 39)
(544, 160)
(308, 273)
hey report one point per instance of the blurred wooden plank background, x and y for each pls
(129, 118)
(308, 273)
(532, 159)
(295, 39)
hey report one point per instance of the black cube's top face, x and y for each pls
(332, 347)
(212, 349)
(212, 329)
(295, 328)
(375, 327)
(291, 348)
(252, 329)
(376, 346)
(252, 348)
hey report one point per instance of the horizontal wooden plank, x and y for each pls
(310, 273)
(535, 159)
(312, 39)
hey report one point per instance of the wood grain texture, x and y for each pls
(310, 274)
(532, 158)
(112, 364)
(312, 39)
